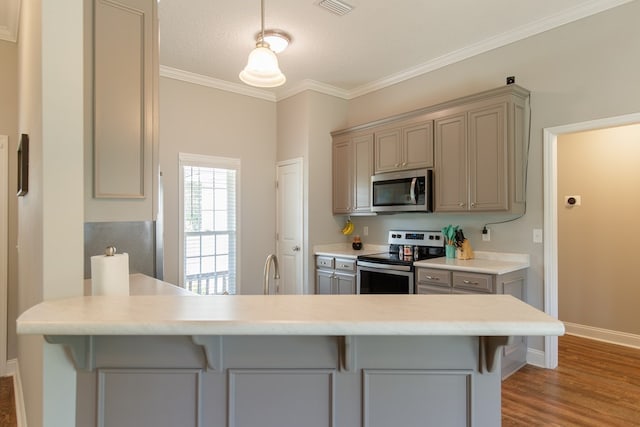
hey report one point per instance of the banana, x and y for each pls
(348, 228)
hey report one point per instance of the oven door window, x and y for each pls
(378, 282)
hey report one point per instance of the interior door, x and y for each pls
(289, 214)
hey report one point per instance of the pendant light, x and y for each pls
(262, 68)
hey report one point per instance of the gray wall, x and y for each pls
(200, 120)
(597, 284)
(9, 126)
(581, 71)
(304, 125)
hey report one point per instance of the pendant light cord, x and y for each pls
(262, 20)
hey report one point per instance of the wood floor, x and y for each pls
(595, 384)
(7, 403)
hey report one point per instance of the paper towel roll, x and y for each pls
(110, 274)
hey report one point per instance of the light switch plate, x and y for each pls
(537, 235)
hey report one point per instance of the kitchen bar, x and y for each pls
(275, 360)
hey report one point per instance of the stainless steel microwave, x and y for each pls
(406, 191)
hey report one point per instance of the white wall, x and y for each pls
(51, 111)
(581, 71)
(9, 126)
(200, 120)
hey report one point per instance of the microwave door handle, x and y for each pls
(413, 190)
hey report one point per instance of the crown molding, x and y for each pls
(314, 85)
(199, 79)
(9, 22)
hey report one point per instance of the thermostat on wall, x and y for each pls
(571, 201)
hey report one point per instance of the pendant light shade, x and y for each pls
(262, 68)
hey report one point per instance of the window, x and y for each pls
(208, 224)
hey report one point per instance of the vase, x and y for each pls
(450, 251)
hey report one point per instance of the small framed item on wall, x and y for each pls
(23, 165)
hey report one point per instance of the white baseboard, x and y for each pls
(535, 357)
(606, 335)
(14, 370)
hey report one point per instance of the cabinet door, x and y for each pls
(451, 180)
(418, 146)
(362, 171)
(488, 158)
(388, 148)
(342, 182)
(324, 279)
(345, 284)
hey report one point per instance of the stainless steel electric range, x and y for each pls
(392, 272)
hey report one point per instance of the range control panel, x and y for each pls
(416, 238)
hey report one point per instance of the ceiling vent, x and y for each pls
(336, 6)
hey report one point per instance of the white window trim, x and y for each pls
(187, 159)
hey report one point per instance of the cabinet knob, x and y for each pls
(461, 204)
(404, 163)
(397, 165)
(473, 204)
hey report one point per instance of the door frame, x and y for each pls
(303, 222)
(4, 236)
(550, 173)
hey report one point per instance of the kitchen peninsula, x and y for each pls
(161, 357)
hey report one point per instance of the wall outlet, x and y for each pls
(486, 237)
(365, 230)
(537, 235)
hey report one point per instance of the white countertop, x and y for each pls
(346, 251)
(483, 262)
(140, 284)
(161, 314)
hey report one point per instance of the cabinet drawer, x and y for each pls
(426, 289)
(434, 276)
(473, 281)
(324, 261)
(343, 264)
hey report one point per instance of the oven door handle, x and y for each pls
(382, 267)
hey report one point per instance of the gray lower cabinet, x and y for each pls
(335, 275)
(287, 381)
(439, 281)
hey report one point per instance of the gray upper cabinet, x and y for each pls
(480, 150)
(352, 170)
(125, 106)
(402, 147)
(476, 145)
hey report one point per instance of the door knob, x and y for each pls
(296, 248)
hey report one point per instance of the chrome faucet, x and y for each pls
(267, 267)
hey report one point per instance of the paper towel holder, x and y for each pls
(110, 251)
